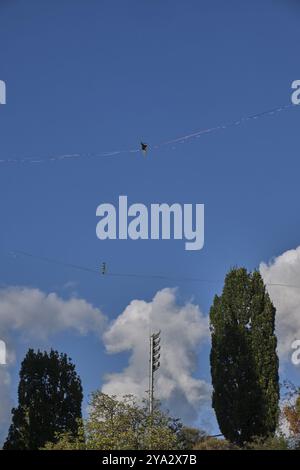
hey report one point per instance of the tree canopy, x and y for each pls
(122, 424)
(244, 362)
(50, 397)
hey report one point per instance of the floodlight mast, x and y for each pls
(154, 365)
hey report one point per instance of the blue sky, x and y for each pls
(94, 76)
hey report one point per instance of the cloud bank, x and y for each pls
(285, 269)
(184, 329)
(33, 314)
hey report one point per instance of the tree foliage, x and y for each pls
(277, 442)
(212, 443)
(189, 437)
(50, 397)
(244, 362)
(122, 424)
(291, 414)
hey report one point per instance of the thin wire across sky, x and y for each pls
(172, 143)
(19, 253)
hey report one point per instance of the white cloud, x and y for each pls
(183, 330)
(285, 269)
(34, 314)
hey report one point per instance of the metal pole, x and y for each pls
(151, 376)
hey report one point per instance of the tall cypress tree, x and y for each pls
(244, 362)
(50, 397)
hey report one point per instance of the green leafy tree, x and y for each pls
(121, 424)
(212, 443)
(278, 442)
(50, 397)
(189, 437)
(244, 362)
